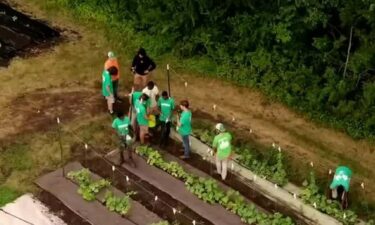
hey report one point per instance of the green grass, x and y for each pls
(7, 195)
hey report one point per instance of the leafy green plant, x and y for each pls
(209, 191)
(312, 196)
(119, 205)
(87, 188)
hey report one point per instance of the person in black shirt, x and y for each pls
(142, 65)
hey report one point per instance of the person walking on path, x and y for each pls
(166, 106)
(184, 127)
(112, 61)
(107, 87)
(121, 125)
(142, 117)
(223, 148)
(340, 185)
(153, 93)
(142, 66)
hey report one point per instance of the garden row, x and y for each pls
(272, 168)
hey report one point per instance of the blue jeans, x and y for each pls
(186, 143)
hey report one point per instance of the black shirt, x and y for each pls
(140, 65)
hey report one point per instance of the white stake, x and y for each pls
(185, 83)
(167, 66)
(233, 119)
(113, 168)
(174, 211)
(329, 171)
(295, 196)
(86, 146)
(251, 131)
(255, 177)
(314, 205)
(156, 198)
(38, 111)
(344, 216)
(276, 186)
(363, 185)
(273, 145)
(58, 120)
(311, 164)
(127, 179)
(194, 222)
(279, 149)
(214, 107)
(232, 166)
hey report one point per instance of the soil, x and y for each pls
(19, 34)
(57, 207)
(103, 168)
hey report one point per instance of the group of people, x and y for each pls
(149, 111)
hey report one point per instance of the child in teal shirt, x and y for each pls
(121, 124)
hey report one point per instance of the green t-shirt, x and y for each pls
(135, 97)
(222, 142)
(342, 177)
(166, 107)
(121, 125)
(106, 81)
(185, 121)
(141, 114)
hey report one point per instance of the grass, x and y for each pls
(7, 195)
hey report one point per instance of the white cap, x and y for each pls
(111, 54)
(220, 127)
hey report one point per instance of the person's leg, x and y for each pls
(110, 102)
(122, 148)
(167, 133)
(218, 165)
(186, 143)
(142, 135)
(115, 88)
(224, 165)
(144, 80)
(162, 134)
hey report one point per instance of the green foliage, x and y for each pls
(312, 196)
(209, 191)
(7, 195)
(88, 189)
(120, 205)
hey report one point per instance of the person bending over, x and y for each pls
(222, 147)
(339, 188)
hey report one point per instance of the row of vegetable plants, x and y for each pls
(89, 189)
(273, 169)
(209, 191)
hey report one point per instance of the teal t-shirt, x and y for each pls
(185, 120)
(222, 142)
(166, 107)
(121, 125)
(342, 177)
(141, 114)
(135, 97)
(106, 81)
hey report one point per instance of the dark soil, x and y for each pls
(57, 207)
(145, 192)
(19, 34)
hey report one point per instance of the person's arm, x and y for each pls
(134, 64)
(151, 66)
(109, 90)
(214, 145)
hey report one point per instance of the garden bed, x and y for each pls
(261, 191)
(22, 35)
(93, 212)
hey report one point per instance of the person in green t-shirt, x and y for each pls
(223, 148)
(133, 99)
(165, 107)
(340, 185)
(184, 127)
(121, 125)
(107, 87)
(142, 117)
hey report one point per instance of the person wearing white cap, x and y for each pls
(113, 62)
(223, 148)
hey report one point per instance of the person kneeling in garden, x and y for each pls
(339, 187)
(222, 148)
(121, 125)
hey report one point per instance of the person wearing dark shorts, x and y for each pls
(121, 125)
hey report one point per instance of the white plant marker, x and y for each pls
(194, 222)
(255, 177)
(174, 211)
(314, 205)
(329, 171)
(363, 185)
(279, 149)
(167, 66)
(233, 119)
(156, 198)
(186, 83)
(208, 150)
(273, 145)
(295, 196)
(276, 187)
(113, 168)
(232, 166)
(38, 111)
(86, 146)
(127, 179)
(58, 120)
(251, 131)
(14, 18)
(312, 164)
(214, 107)
(344, 216)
